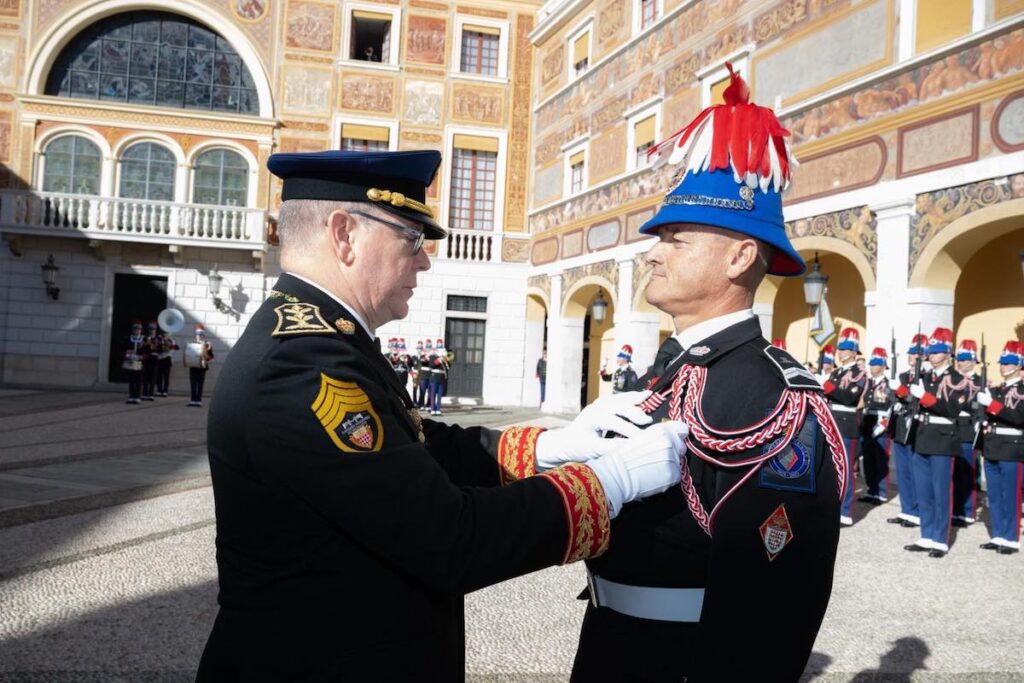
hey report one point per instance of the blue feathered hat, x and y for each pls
(734, 165)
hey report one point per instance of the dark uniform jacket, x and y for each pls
(945, 396)
(761, 610)
(623, 379)
(878, 402)
(346, 536)
(902, 424)
(971, 414)
(1005, 414)
(400, 364)
(844, 388)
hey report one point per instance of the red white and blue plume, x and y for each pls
(733, 165)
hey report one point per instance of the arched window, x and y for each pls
(154, 58)
(72, 164)
(147, 172)
(222, 178)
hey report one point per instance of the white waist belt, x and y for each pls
(880, 413)
(841, 408)
(647, 602)
(1007, 431)
(934, 419)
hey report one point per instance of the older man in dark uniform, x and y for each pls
(726, 578)
(348, 529)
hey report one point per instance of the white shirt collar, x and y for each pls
(348, 308)
(943, 371)
(707, 328)
(1011, 382)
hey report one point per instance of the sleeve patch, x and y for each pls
(793, 373)
(795, 468)
(300, 318)
(517, 453)
(586, 511)
(346, 413)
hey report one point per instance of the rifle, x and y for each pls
(979, 413)
(892, 354)
(915, 407)
(984, 365)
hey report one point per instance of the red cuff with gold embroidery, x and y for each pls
(994, 408)
(928, 400)
(902, 391)
(829, 387)
(517, 453)
(586, 510)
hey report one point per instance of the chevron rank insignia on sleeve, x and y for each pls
(347, 414)
(300, 318)
(793, 373)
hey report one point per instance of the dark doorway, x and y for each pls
(135, 296)
(585, 371)
(465, 338)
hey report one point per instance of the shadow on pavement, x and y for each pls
(898, 665)
(155, 640)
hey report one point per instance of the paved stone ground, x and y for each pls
(107, 570)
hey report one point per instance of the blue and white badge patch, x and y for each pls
(795, 467)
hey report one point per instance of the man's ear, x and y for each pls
(340, 227)
(742, 258)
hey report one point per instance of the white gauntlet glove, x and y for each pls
(582, 439)
(984, 398)
(879, 429)
(641, 466)
(917, 390)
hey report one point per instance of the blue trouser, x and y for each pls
(905, 480)
(424, 392)
(436, 392)
(851, 456)
(1004, 480)
(964, 478)
(933, 478)
(543, 384)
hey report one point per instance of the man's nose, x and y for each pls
(422, 260)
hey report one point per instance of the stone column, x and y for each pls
(534, 347)
(886, 306)
(565, 356)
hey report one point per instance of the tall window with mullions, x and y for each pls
(71, 163)
(474, 178)
(221, 178)
(147, 172)
(154, 58)
(479, 50)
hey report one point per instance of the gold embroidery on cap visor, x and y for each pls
(346, 413)
(398, 200)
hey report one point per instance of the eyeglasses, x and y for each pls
(415, 237)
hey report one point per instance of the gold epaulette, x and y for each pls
(300, 318)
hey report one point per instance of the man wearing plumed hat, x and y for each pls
(726, 577)
(845, 389)
(348, 527)
(965, 465)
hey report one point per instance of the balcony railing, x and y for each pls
(471, 245)
(137, 220)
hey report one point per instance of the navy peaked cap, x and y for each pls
(394, 181)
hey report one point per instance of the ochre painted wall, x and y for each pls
(990, 295)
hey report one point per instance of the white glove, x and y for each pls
(917, 390)
(614, 413)
(641, 466)
(571, 444)
(984, 398)
(878, 430)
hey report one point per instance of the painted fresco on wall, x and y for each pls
(478, 104)
(840, 170)
(425, 39)
(424, 102)
(953, 73)
(611, 24)
(310, 26)
(518, 176)
(608, 270)
(6, 126)
(250, 10)
(856, 226)
(515, 251)
(10, 8)
(608, 154)
(936, 210)
(547, 186)
(8, 61)
(842, 49)
(1008, 123)
(552, 65)
(939, 142)
(307, 90)
(360, 92)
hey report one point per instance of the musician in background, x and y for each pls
(166, 346)
(149, 353)
(132, 353)
(198, 355)
(876, 402)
